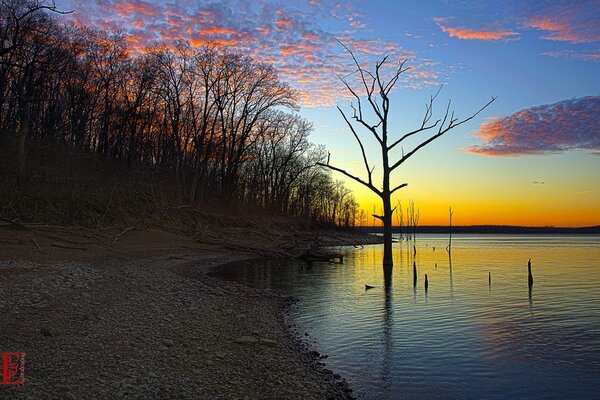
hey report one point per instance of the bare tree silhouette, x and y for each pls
(376, 100)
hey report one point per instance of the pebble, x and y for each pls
(116, 305)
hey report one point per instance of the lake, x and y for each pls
(462, 338)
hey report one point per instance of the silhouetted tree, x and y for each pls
(219, 121)
(376, 99)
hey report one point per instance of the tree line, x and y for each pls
(222, 123)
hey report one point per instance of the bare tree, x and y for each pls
(19, 18)
(218, 122)
(376, 100)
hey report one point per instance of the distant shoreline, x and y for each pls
(495, 229)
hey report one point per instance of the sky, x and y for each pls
(531, 158)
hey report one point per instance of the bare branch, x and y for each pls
(441, 131)
(357, 179)
(409, 134)
(398, 188)
(369, 88)
(426, 118)
(362, 148)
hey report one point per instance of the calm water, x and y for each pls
(462, 339)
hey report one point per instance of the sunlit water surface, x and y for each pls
(462, 339)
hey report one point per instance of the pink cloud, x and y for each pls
(219, 30)
(128, 7)
(263, 30)
(574, 22)
(472, 34)
(290, 38)
(554, 128)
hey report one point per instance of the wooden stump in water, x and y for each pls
(414, 273)
(426, 282)
(530, 277)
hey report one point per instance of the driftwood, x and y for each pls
(38, 232)
(331, 257)
(54, 232)
(118, 236)
(68, 246)
(36, 244)
(269, 242)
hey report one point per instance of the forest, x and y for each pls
(222, 125)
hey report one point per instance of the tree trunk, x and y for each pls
(22, 137)
(388, 261)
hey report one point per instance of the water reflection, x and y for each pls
(461, 334)
(531, 300)
(386, 373)
(451, 280)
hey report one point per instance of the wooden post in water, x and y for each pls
(426, 283)
(490, 279)
(530, 275)
(414, 274)
(449, 247)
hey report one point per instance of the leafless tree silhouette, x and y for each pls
(376, 100)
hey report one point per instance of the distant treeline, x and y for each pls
(494, 229)
(220, 122)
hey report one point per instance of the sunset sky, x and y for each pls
(531, 158)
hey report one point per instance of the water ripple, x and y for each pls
(462, 339)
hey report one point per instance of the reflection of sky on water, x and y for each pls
(461, 339)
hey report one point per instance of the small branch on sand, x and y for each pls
(36, 244)
(68, 246)
(124, 231)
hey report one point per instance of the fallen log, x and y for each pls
(331, 257)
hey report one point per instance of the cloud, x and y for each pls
(547, 129)
(128, 7)
(558, 20)
(583, 56)
(583, 192)
(575, 22)
(290, 35)
(472, 34)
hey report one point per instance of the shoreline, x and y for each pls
(149, 322)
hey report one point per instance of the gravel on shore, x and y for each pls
(151, 327)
